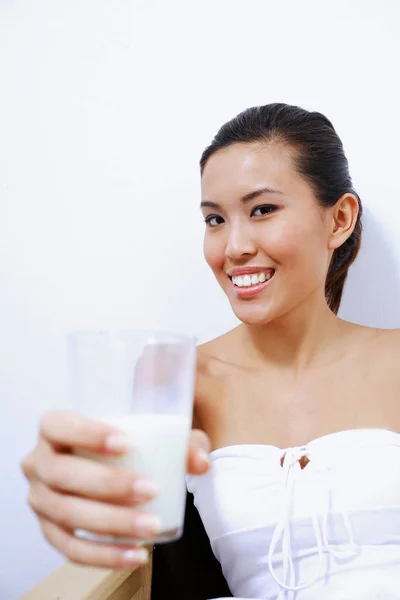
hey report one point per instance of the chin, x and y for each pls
(254, 315)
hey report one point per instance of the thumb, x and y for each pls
(198, 455)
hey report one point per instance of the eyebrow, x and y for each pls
(246, 198)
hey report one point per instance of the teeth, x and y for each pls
(248, 280)
(238, 281)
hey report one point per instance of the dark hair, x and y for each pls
(318, 156)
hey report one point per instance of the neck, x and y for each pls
(296, 340)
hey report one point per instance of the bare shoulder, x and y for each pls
(212, 369)
(391, 338)
(374, 337)
(209, 383)
(385, 361)
(387, 340)
(383, 352)
(372, 351)
(216, 354)
(388, 348)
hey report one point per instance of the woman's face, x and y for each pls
(267, 238)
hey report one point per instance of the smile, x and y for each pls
(251, 280)
(247, 285)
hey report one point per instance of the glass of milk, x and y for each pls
(143, 384)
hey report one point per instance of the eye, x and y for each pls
(264, 209)
(213, 220)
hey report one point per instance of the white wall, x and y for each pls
(105, 107)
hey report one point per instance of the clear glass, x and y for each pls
(142, 383)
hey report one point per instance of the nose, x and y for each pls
(240, 243)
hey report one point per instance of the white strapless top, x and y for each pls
(328, 531)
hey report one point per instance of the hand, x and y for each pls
(69, 492)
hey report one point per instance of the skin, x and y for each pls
(291, 372)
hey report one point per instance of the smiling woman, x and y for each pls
(302, 495)
(286, 397)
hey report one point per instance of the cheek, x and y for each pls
(284, 244)
(213, 250)
(295, 243)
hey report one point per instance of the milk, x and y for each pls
(158, 451)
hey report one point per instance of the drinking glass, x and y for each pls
(143, 384)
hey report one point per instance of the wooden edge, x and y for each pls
(74, 582)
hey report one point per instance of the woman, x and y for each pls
(302, 498)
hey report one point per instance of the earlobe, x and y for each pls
(344, 216)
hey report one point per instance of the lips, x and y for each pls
(250, 281)
(240, 271)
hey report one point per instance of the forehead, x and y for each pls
(242, 168)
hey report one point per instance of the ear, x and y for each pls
(344, 218)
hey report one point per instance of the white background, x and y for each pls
(105, 107)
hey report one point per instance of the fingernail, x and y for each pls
(147, 525)
(117, 442)
(146, 489)
(134, 557)
(202, 458)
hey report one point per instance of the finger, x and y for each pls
(72, 512)
(91, 553)
(84, 477)
(73, 430)
(198, 455)
(30, 462)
